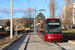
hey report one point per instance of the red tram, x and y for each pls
(50, 30)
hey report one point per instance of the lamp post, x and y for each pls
(11, 19)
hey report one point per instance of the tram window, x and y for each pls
(45, 26)
(39, 30)
(54, 27)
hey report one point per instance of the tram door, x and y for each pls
(42, 30)
(39, 30)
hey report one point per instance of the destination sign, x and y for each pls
(52, 20)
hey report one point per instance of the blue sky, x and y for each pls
(19, 6)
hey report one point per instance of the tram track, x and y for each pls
(57, 45)
(60, 46)
(52, 44)
(3, 36)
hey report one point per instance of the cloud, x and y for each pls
(4, 10)
(18, 10)
(15, 10)
(3, 1)
(9, 15)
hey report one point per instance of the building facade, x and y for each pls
(74, 15)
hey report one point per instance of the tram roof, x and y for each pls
(51, 19)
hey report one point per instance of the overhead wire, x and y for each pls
(45, 3)
(44, 7)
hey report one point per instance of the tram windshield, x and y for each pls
(53, 26)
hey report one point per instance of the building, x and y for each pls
(74, 15)
(64, 14)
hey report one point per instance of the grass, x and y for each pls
(5, 41)
(69, 34)
(73, 30)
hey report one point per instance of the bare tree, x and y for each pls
(28, 16)
(69, 14)
(53, 6)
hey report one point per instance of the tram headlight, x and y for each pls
(49, 37)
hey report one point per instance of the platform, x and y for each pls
(32, 41)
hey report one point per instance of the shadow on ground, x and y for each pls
(69, 35)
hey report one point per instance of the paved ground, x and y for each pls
(34, 42)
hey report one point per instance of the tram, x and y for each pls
(50, 30)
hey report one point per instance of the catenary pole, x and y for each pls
(11, 19)
(35, 21)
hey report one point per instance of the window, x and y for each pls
(52, 26)
(45, 27)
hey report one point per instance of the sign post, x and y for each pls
(16, 29)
